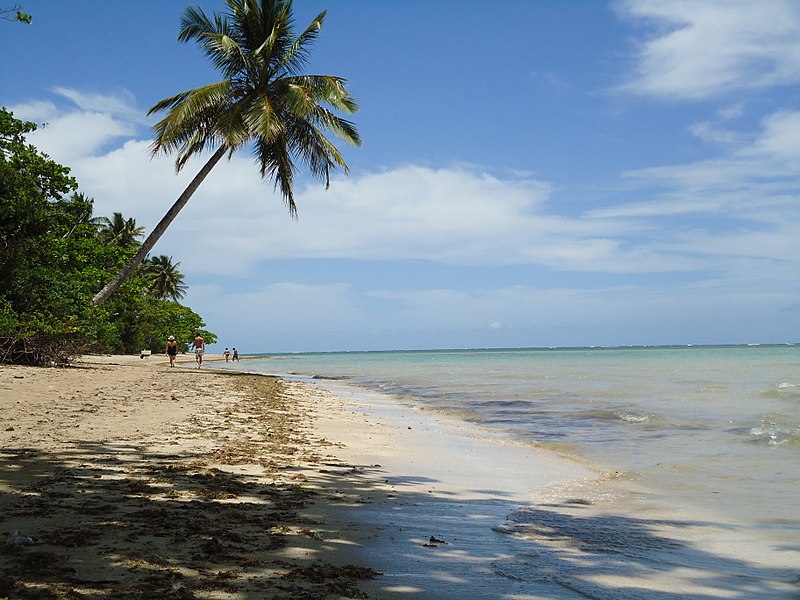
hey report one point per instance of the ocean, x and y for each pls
(714, 430)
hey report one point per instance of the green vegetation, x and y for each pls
(118, 230)
(263, 102)
(164, 281)
(15, 14)
(54, 255)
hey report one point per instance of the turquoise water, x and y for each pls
(714, 426)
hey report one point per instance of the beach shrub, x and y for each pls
(52, 262)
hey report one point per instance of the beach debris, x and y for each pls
(434, 542)
(583, 501)
(16, 539)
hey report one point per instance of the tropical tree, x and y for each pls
(263, 101)
(118, 230)
(83, 215)
(52, 263)
(163, 278)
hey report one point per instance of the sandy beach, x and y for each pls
(123, 478)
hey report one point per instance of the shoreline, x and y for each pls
(101, 462)
(518, 521)
(580, 531)
(186, 483)
(428, 514)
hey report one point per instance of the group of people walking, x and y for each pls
(199, 346)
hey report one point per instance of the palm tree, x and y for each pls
(163, 278)
(262, 101)
(118, 230)
(82, 214)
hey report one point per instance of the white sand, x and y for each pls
(417, 475)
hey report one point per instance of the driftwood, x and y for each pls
(41, 350)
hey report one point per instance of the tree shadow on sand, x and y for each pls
(579, 551)
(439, 545)
(122, 521)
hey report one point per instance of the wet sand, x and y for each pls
(134, 480)
(446, 512)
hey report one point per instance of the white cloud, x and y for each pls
(85, 127)
(704, 48)
(708, 133)
(779, 244)
(278, 303)
(38, 111)
(753, 182)
(71, 136)
(120, 104)
(459, 215)
(777, 142)
(452, 216)
(732, 112)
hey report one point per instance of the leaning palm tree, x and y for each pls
(163, 279)
(263, 101)
(118, 230)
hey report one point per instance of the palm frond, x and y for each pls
(168, 103)
(298, 53)
(342, 128)
(263, 99)
(276, 164)
(194, 24)
(191, 114)
(326, 88)
(317, 151)
(163, 278)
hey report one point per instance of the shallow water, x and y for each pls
(715, 430)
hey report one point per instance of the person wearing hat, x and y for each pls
(172, 350)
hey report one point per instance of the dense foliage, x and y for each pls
(53, 258)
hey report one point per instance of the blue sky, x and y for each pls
(533, 173)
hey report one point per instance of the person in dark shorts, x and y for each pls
(172, 350)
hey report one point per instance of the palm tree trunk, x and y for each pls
(159, 230)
